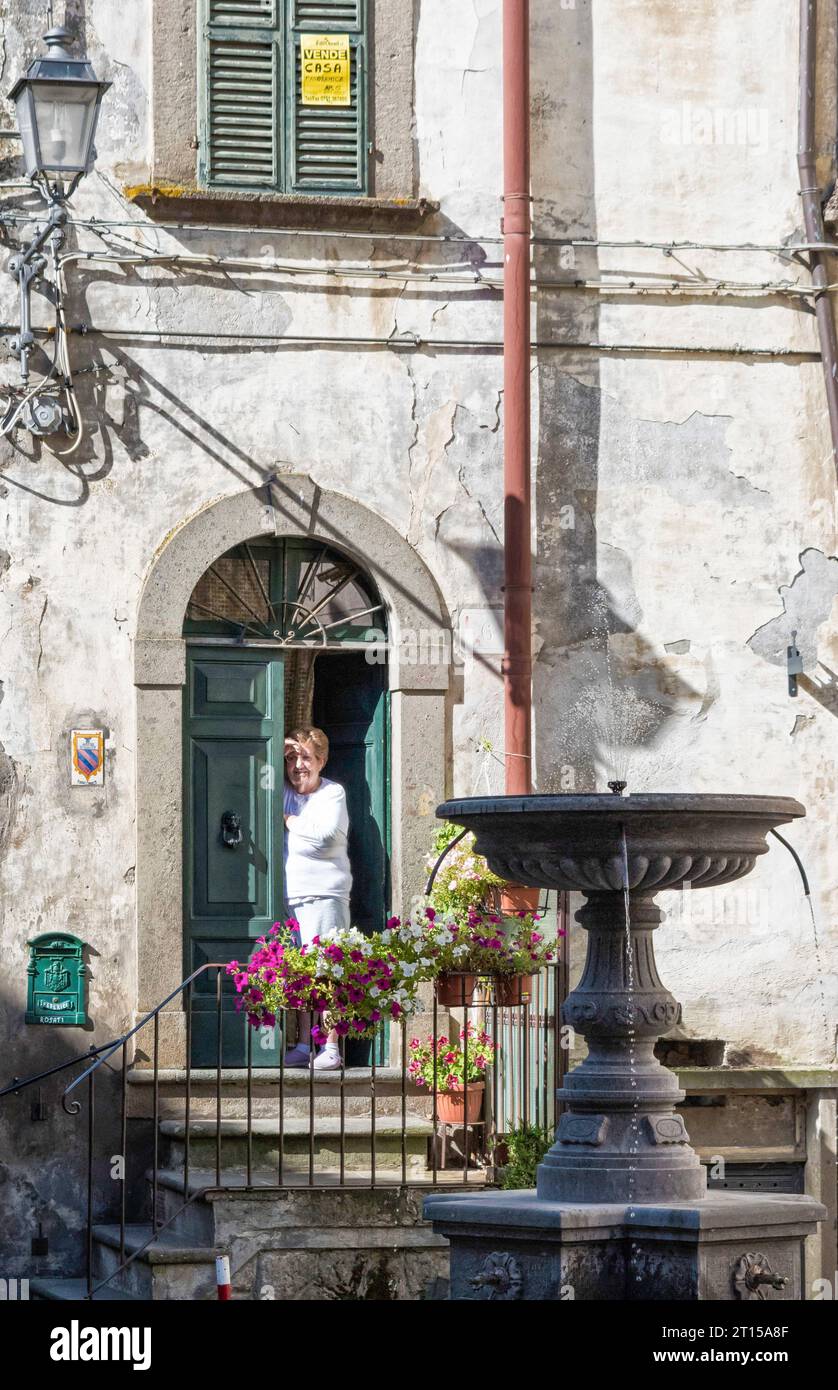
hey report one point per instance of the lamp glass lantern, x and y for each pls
(58, 105)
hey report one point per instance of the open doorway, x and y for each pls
(279, 634)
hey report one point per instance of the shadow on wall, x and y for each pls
(601, 692)
(43, 1168)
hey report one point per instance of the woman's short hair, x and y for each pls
(312, 738)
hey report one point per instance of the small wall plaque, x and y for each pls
(88, 757)
(55, 980)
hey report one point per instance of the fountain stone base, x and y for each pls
(516, 1245)
(621, 1209)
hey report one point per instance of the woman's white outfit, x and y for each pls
(322, 917)
(318, 880)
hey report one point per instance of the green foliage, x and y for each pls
(527, 1145)
(450, 1063)
(465, 880)
(446, 832)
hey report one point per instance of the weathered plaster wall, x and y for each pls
(685, 498)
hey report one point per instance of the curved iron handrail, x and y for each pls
(111, 1048)
(437, 866)
(17, 1085)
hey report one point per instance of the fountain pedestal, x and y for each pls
(510, 1245)
(620, 1138)
(621, 1209)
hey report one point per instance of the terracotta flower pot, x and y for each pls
(451, 1107)
(514, 898)
(454, 990)
(510, 989)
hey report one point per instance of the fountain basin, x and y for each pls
(574, 843)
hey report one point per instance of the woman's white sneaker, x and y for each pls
(327, 1060)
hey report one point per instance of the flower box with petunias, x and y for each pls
(510, 949)
(356, 981)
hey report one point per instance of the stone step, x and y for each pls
(169, 1268)
(294, 1090)
(329, 1241)
(215, 1218)
(297, 1140)
(45, 1289)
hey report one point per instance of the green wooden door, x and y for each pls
(233, 762)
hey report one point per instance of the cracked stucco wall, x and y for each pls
(685, 501)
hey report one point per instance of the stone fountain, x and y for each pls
(621, 1209)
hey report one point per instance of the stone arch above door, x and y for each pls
(291, 505)
(418, 669)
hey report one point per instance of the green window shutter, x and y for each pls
(241, 97)
(326, 146)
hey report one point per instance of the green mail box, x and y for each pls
(55, 980)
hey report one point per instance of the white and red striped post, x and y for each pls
(222, 1277)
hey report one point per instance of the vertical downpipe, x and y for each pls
(155, 1157)
(517, 660)
(810, 196)
(123, 1144)
(91, 1139)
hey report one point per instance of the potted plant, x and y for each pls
(464, 884)
(433, 947)
(464, 880)
(527, 952)
(483, 939)
(456, 1069)
(510, 951)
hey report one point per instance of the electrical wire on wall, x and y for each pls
(38, 407)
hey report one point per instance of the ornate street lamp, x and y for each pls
(57, 104)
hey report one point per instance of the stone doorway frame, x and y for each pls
(418, 678)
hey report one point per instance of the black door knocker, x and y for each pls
(231, 829)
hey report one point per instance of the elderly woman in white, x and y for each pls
(318, 878)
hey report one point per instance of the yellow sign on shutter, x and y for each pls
(325, 62)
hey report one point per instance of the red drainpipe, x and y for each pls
(517, 659)
(517, 553)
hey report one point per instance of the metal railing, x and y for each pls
(394, 1136)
